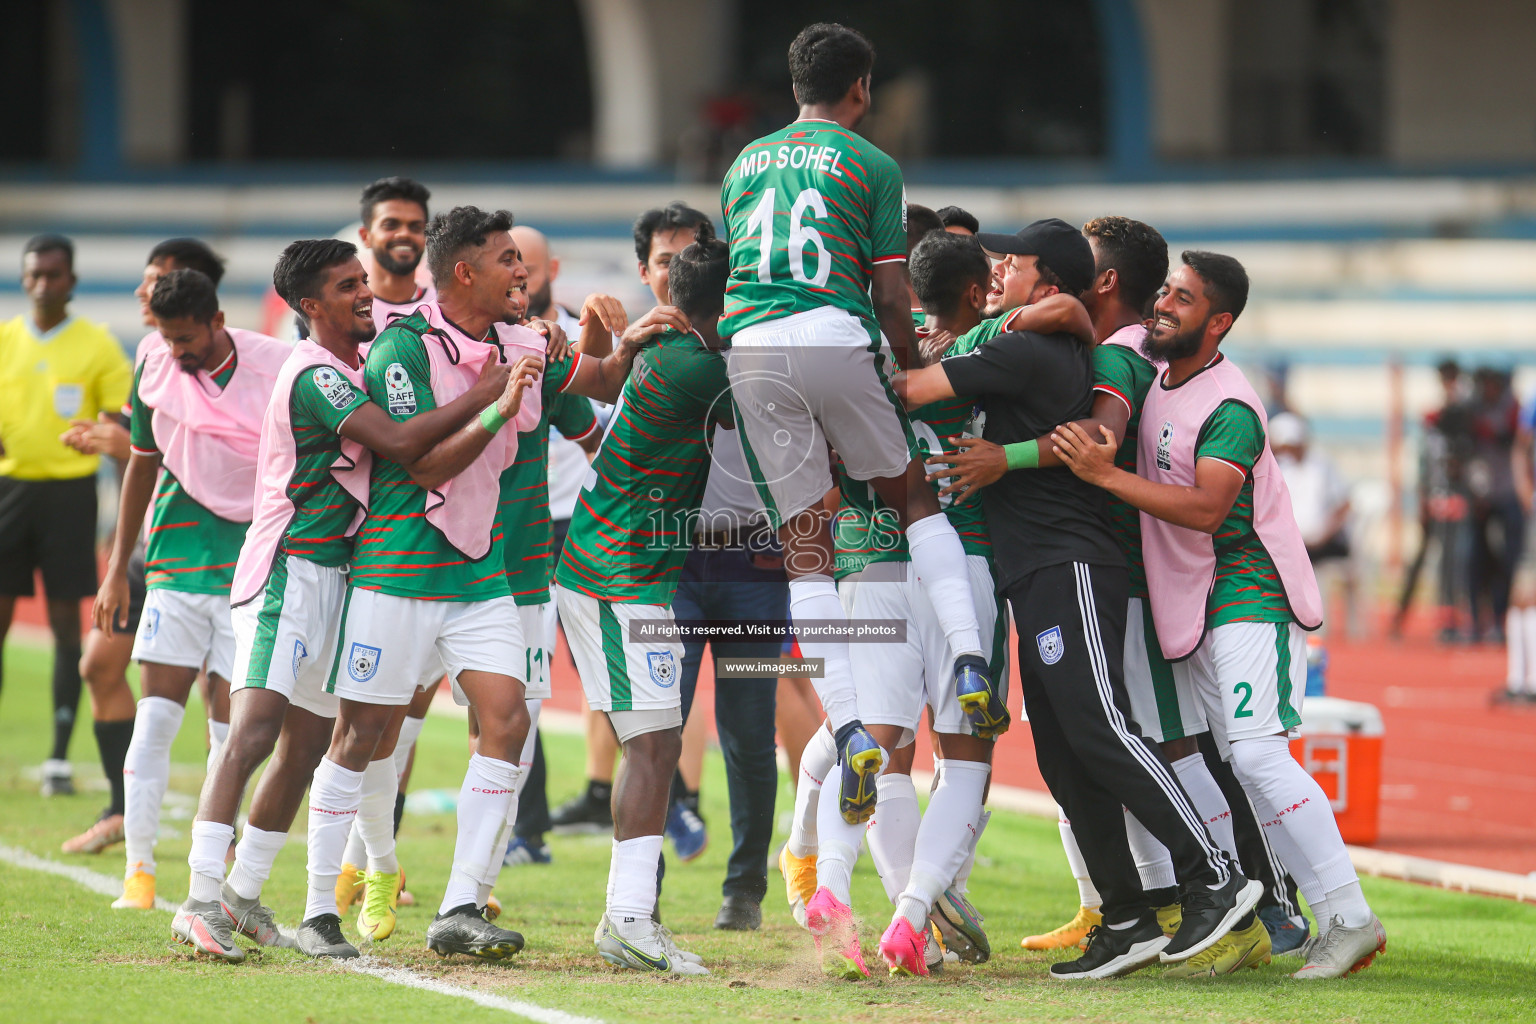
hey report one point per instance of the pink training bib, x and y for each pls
(209, 437)
(276, 459)
(1181, 563)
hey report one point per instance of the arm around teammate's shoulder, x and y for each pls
(1203, 507)
(604, 378)
(406, 441)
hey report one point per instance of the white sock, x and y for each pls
(218, 735)
(483, 799)
(334, 796)
(1290, 856)
(410, 731)
(943, 839)
(254, 857)
(1153, 863)
(357, 853)
(815, 597)
(210, 842)
(816, 764)
(939, 560)
(524, 763)
(1266, 767)
(375, 824)
(632, 882)
(1514, 649)
(962, 883)
(1087, 893)
(892, 832)
(1209, 800)
(146, 773)
(1528, 627)
(838, 845)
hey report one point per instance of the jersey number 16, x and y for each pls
(800, 236)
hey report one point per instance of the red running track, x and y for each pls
(1458, 773)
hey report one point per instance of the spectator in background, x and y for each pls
(1444, 504)
(54, 368)
(1320, 499)
(1520, 620)
(1498, 527)
(957, 221)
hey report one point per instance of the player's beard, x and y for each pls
(391, 265)
(539, 301)
(1184, 343)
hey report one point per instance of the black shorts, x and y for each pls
(135, 589)
(48, 525)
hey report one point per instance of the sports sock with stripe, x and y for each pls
(487, 792)
(1087, 893)
(254, 856)
(1266, 766)
(939, 560)
(815, 597)
(816, 763)
(375, 824)
(1285, 850)
(334, 796)
(943, 838)
(1205, 793)
(892, 833)
(146, 773)
(210, 842)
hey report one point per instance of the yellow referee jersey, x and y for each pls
(71, 372)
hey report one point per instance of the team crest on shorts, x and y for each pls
(362, 662)
(333, 386)
(1165, 445)
(151, 623)
(300, 652)
(399, 392)
(1051, 645)
(663, 667)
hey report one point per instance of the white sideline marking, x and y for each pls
(106, 885)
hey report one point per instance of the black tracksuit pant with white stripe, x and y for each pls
(1071, 623)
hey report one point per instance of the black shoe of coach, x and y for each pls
(1115, 952)
(739, 913)
(1209, 914)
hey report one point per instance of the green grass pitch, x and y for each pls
(65, 956)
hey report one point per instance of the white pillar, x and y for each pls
(151, 42)
(626, 97)
(1187, 49)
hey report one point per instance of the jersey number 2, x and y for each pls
(800, 236)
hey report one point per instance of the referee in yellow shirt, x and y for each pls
(53, 369)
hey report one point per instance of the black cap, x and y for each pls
(1058, 246)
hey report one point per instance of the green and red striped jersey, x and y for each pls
(866, 529)
(320, 402)
(1123, 372)
(1247, 587)
(398, 551)
(635, 517)
(809, 211)
(525, 487)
